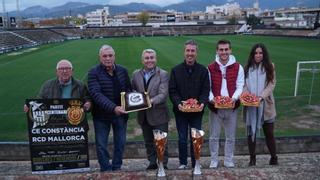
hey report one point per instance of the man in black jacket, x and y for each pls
(188, 80)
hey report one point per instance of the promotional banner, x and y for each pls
(13, 22)
(57, 136)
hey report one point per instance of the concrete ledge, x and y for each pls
(19, 151)
(291, 166)
(271, 173)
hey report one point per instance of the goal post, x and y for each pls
(306, 66)
(162, 32)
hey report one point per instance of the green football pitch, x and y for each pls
(23, 72)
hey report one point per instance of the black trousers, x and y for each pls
(147, 131)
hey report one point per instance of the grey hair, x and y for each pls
(104, 47)
(148, 51)
(191, 42)
(64, 61)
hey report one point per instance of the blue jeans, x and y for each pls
(184, 123)
(102, 129)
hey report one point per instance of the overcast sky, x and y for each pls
(11, 4)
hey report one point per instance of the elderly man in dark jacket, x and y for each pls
(188, 79)
(105, 82)
(64, 86)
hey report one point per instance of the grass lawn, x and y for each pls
(22, 75)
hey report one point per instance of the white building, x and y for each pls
(179, 16)
(291, 18)
(251, 11)
(98, 17)
(255, 10)
(226, 9)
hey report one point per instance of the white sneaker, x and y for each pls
(213, 164)
(182, 166)
(228, 164)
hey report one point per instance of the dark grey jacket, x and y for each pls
(52, 89)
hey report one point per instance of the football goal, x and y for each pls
(309, 70)
(161, 32)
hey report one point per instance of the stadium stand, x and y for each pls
(147, 31)
(69, 33)
(41, 36)
(11, 42)
(20, 38)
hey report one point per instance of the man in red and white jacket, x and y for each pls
(226, 79)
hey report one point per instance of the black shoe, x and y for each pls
(116, 169)
(252, 161)
(273, 160)
(165, 167)
(152, 166)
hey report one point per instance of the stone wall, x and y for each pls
(136, 149)
(148, 31)
(285, 32)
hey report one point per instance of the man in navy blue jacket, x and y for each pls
(105, 83)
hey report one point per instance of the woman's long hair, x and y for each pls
(266, 62)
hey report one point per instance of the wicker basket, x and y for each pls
(253, 104)
(191, 109)
(224, 106)
(246, 103)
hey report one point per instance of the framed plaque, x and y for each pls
(135, 101)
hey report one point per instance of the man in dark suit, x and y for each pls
(155, 81)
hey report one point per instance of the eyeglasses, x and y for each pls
(107, 55)
(225, 49)
(64, 68)
(148, 57)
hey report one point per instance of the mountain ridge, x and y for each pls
(75, 8)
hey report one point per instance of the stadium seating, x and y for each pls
(15, 39)
(41, 36)
(70, 33)
(10, 42)
(100, 32)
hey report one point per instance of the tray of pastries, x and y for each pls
(248, 99)
(223, 102)
(191, 105)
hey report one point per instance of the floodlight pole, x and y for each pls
(3, 7)
(4, 13)
(18, 14)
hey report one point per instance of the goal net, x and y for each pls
(161, 32)
(307, 78)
